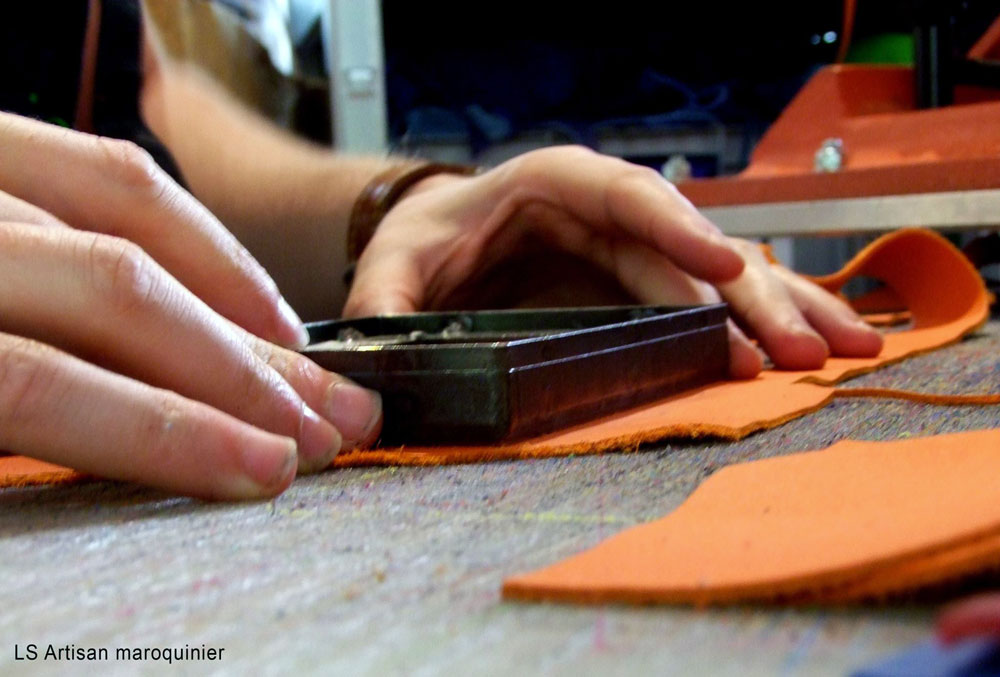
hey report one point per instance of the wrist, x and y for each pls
(430, 183)
(385, 190)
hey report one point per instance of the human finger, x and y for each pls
(115, 187)
(15, 209)
(621, 200)
(977, 616)
(61, 409)
(842, 328)
(354, 410)
(105, 300)
(745, 360)
(761, 302)
(651, 278)
(386, 281)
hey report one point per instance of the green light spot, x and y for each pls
(33, 98)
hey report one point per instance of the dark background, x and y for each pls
(494, 70)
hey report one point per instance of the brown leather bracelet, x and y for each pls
(382, 193)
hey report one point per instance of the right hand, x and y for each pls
(139, 341)
(451, 239)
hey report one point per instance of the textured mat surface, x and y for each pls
(390, 571)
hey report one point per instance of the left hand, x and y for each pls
(443, 244)
(138, 339)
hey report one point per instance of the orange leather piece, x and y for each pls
(21, 471)
(887, 319)
(943, 292)
(881, 300)
(925, 398)
(810, 527)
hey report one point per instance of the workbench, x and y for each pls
(398, 570)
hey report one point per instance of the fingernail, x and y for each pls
(355, 410)
(299, 337)
(319, 442)
(271, 468)
(812, 335)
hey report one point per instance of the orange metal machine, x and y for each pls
(854, 152)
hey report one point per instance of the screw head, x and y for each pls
(830, 156)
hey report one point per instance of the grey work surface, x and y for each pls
(398, 570)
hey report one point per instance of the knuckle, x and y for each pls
(127, 161)
(7, 121)
(743, 247)
(282, 361)
(575, 152)
(299, 372)
(123, 274)
(43, 218)
(27, 375)
(631, 174)
(133, 167)
(537, 165)
(261, 388)
(624, 183)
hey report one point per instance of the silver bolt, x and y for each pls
(830, 156)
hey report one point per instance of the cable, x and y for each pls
(850, 8)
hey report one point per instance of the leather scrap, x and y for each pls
(850, 522)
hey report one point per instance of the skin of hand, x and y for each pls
(453, 239)
(976, 616)
(138, 339)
